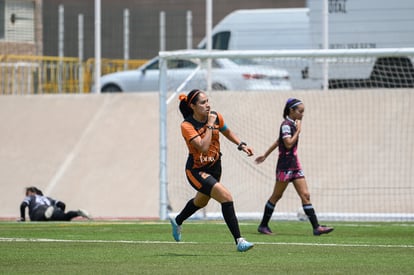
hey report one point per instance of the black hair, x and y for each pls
(35, 190)
(38, 191)
(291, 103)
(185, 102)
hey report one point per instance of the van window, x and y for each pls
(220, 41)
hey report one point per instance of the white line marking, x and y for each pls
(172, 242)
(85, 241)
(344, 245)
(75, 150)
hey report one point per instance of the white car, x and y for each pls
(226, 75)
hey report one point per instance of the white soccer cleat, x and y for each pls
(243, 245)
(176, 230)
(84, 214)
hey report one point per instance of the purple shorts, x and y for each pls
(288, 176)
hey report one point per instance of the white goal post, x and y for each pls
(368, 84)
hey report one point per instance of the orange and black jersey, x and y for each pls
(190, 129)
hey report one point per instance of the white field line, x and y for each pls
(84, 241)
(171, 242)
(65, 165)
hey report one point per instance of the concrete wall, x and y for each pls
(96, 152)
(356, 149)
(100, 152)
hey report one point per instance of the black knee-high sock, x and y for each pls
(227, 208)
(310, 212)
(188, 210)
(267, 214)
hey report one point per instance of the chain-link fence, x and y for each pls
(60, 34)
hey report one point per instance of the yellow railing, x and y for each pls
(49, 74)
(109, 66)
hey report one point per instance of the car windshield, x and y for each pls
(181, 63)
(173, 64)
(244, 61)
(233, 62)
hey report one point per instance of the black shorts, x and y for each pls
(38, 215)
(204, 179)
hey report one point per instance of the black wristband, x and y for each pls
(240, 146)
(210, 127)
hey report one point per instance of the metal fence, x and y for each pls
(52, 75)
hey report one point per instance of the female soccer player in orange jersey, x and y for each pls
(201, 130)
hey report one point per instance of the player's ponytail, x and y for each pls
(186, 100)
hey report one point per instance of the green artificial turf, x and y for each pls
(207, 248)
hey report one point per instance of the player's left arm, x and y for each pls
(230, 135)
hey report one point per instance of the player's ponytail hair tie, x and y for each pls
(182, 97)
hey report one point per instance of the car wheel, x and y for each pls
(111, 88)
(218, 87)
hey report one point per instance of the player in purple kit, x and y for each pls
(289, 169)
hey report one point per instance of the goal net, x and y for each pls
(357, 140)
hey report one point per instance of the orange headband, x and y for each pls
(194, 96)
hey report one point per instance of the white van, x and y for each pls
(352, 24)
(262, 29)
(356, 24)
(267, 29)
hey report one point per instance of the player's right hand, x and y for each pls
(260, 159)
(212, 116)
(298, 124)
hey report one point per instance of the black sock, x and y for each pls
(310, 212)
(267, 214)
(227, 208)
(188, 210)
